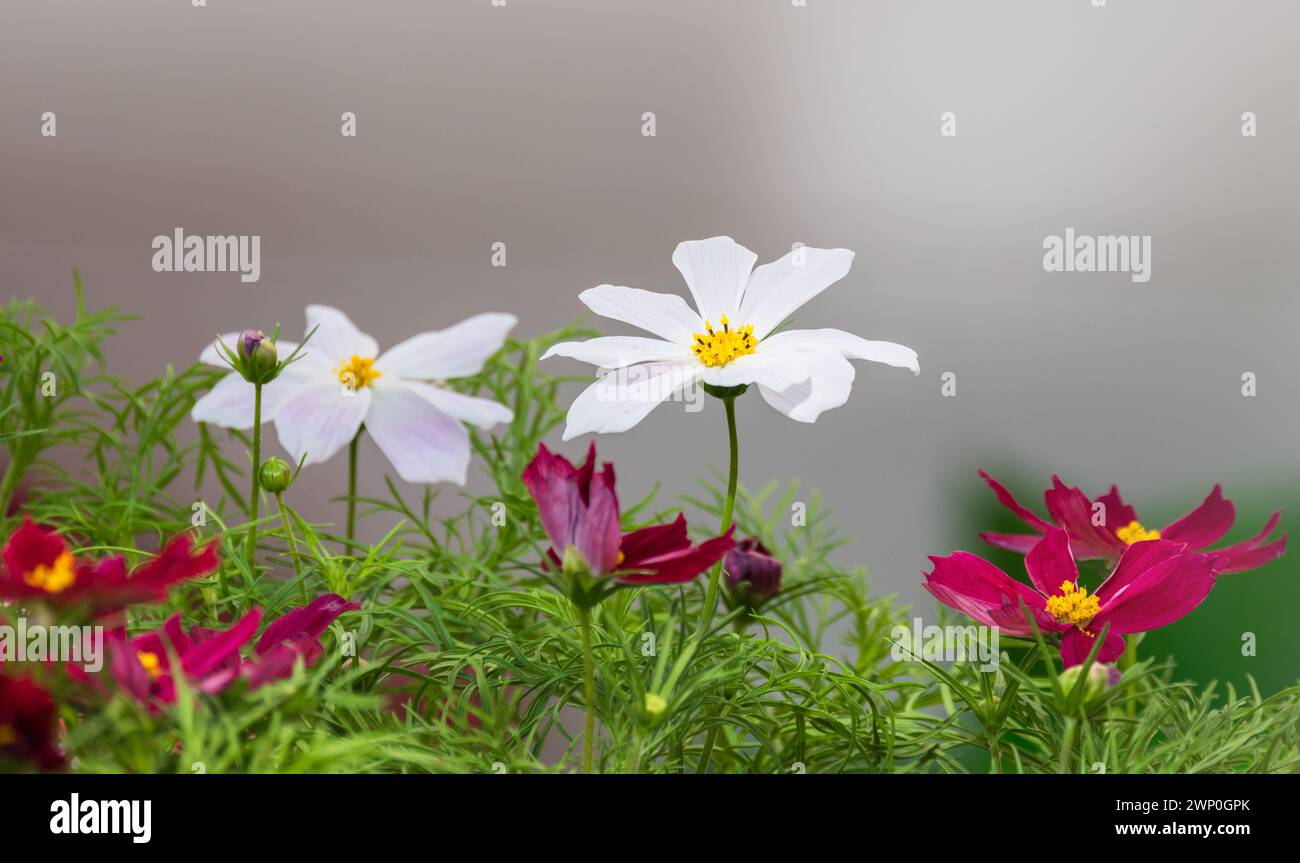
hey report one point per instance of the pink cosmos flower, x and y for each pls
(293, 635)
(580, 513)
(209, 659)
(1105, 528)
(1155, 583)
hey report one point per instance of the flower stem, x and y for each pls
(728, 397)
(728, 506)
(257, 468)
(293, 546)
(589, 689)
(352, 487)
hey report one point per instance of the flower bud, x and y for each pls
(655, 705)
(257, 352)
(1100, 678)
(275, 475)
(753, 574)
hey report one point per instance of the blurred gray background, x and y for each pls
(775, 124)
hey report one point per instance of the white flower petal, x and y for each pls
(455, 352)
(479, 412)
(336, 338)
(827, 387)
(229, 403)
(777, 289)
(422, 442)
(620, 399)
(848, 345)
(716, 271)
(317, 419)
(773, 367)
(665, 315)
(615, 352)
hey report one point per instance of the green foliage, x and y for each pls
(469, 660)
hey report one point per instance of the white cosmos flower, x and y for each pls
(340, 381)
(728, 342)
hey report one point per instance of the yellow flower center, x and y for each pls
(55, 578)
(8, 736)
(150, 663)
(1135, 532)
(1074, 605)
(719, 347)
(358, 372)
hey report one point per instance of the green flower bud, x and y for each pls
(1100, 678)
(258, 354)
(275, 475)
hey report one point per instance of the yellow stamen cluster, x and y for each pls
(8, 736)
(54, 578)
(1074, 605)
(1135, 532)
(358, 372)
(719, 347)
(150, 663)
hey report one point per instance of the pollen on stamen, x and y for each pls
(718, 347)
(358, 372)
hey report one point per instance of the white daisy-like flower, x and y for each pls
(340, 380)
(728, 342)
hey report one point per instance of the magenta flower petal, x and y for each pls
(306, 622)
(214, 654)
(1137, 559)
(1050, 563)
(598, 533)
(653, 541)
(1071, 509)
(1020, 543)
(1008, 500)
(1159, 595)
(1076, 645)
(1204, 525)
(1252, 552)
(681, 564)
(979, 589)
(553, 483)
(1118, 513)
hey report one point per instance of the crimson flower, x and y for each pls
(39, 564)
(209, 659)
(579, 511)
(27, 723)
(1105, 528)
(293, 635)
(1155, 583)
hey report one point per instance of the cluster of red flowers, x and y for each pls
(39, 567)
(1155, 576)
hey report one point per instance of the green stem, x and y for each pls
(352, 487)
(293, 546)
(589, 689)
(728, 506)
(257, 467)
(715, 577)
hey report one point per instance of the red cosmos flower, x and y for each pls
(579, 511)
(208, 658)
(1155, 583)
(27, 724)
(38, 563)
(1104, 528)
(293, 635)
